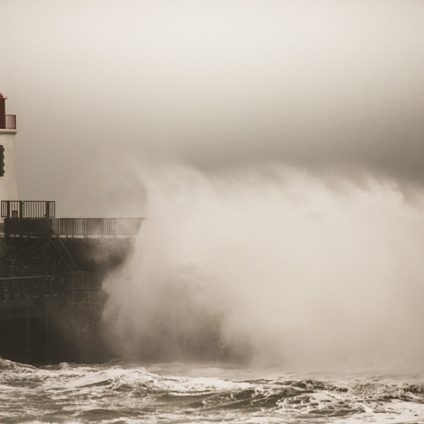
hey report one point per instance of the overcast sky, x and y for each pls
(98, 85)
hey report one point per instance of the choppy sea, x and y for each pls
(213, 393)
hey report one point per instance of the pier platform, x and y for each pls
(51, 274)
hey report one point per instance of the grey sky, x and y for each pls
(325, 85)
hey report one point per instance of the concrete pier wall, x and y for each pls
(53, 332)
(51, 298)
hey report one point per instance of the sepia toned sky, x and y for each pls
(100, 86)
(274, 147)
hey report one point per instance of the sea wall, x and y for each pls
(51, 297)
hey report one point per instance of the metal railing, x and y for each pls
(10, 122)
(72, 227)
(28, 209)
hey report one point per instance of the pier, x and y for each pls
(51, 274)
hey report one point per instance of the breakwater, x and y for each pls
(51, 297)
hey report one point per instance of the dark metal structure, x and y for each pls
(51, 273)
(71, 285)
(28, 209)
(72, 227)
(17, 291)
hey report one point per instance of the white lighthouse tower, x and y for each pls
(8, 186)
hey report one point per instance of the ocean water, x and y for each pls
(190, 393)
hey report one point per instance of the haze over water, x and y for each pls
(276, 149)
(282, 268)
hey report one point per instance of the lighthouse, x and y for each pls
(8, 186)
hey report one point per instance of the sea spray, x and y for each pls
(280, 266)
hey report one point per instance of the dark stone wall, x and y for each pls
(23, 257)
(55, 326)
(37, 256)
(99, 254)
(58, 333)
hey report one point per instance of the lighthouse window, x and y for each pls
(1, 161)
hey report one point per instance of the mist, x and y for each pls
(283, 269)
(326, 86)
(275, 149)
